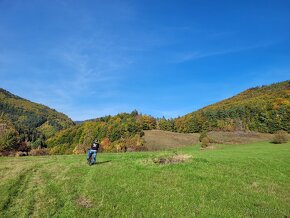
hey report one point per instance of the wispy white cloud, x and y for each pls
(194, 55)
(77, 68)
(77, 73)
(91, 67)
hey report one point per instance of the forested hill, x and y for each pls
(125, 130)
(27, 124)
(29, 121)
(262, 109)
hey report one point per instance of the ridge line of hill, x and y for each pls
(263, 109)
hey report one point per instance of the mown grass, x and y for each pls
(250, 180)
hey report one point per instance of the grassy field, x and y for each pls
(250, 180)
(161, 140)
(239, 137)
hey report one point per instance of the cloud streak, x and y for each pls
(195, 55)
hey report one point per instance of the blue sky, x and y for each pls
(164, 58)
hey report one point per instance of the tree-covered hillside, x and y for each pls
(30, 122)
(120, 132)
(262, 109)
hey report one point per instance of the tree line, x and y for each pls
(25, 125)
(262, 109)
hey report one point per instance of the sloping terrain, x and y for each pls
(159, 140)
(24, 113)
(115, 133)
(261, 109)
(238, 137)
(32, 121)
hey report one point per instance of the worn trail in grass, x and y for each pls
(231, 181)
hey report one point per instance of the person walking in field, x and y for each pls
(92, 152)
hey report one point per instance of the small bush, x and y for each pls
(177, 158)
(280, 137)
(205, 142)
(80, 149)
(202, 135)
(38, 152)
(60, 149)
(21, 154)
(37, 144)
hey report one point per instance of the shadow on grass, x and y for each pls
(103, 162)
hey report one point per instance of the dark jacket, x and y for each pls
(95, 146)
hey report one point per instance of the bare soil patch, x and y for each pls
(84, 202)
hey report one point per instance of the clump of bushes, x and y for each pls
(39, 152)
(202, 135)
(21, 154)
(204, 139)
(205, 142)
(280, 137)
(80, 149)
(177, 158)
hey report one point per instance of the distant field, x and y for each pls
(239, 137)
(160, 140)
(249, 180)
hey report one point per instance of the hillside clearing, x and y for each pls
(237, 181)
(239, 137)
(160, 140)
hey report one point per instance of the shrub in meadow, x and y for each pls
(280, 137)
(205, 142)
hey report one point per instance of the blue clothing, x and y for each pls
(94, 153)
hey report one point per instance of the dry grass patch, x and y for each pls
(238, 137)
(210, 147)
(178, 158)
(160, 140)
(84, 202)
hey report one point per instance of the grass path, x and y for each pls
(250, 180)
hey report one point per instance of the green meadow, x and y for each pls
(251, 180)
